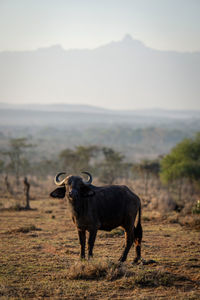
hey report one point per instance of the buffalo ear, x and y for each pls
(59, 192)
(86, 191)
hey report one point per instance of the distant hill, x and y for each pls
(124, 72)
(69, 115)
(54, 107)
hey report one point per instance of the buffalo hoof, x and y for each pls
(136, 260)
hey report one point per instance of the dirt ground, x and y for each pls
(39, 258)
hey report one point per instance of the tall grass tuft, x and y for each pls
(97, 270)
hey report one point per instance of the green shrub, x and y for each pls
(196, 208)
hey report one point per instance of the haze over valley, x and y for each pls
(137, 134)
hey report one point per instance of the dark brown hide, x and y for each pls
(102, 208)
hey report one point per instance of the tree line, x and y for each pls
(181, 165)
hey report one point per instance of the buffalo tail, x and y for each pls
(138, 228)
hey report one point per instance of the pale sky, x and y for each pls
(160, 24)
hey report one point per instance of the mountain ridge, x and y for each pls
(117, 75)
(86, 114)
(127, 39)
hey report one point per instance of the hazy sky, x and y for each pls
(160, 24)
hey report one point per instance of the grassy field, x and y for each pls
(39, 258)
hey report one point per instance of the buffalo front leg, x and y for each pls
(91, 240)
(129, 238)
(82, 238)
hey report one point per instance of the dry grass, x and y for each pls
(23, 229)
(154, 278)
(39, 255)
(98, 270)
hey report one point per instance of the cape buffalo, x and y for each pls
(101, 208)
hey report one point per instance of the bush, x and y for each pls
(196, 208)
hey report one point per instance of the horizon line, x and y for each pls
(101, 107)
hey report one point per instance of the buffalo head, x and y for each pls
(73, 187)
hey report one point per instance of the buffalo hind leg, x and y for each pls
(137, 250)
(129, 238)
(91, 240)
(82, 238)
(138, 240)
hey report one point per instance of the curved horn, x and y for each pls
(56, 179)
(90, 178)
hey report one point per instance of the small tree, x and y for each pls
(112, 166)
(183, 162)
(17, 162)
(148, 168)
(79, 159)
(68, 160)
(8, 185)
(85, 154)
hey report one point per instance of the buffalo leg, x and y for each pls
(137, 250)
(138, 240)
(129, 238)
(82, 238)
(91, 240)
